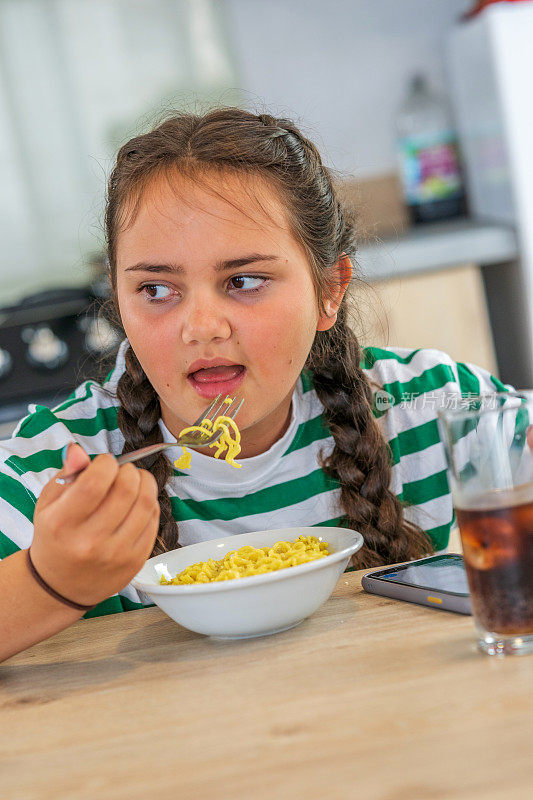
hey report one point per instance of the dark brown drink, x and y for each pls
(497, 537)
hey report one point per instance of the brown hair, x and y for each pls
(231, 139)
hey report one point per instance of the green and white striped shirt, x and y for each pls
(282, 487)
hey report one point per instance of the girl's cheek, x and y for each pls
(147, 325)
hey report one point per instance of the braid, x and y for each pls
(138, 418)
(360, 460)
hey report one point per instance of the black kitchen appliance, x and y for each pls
(49, 343)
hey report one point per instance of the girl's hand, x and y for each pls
(92, 536)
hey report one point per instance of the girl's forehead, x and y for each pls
(182, 220)
(217, 200)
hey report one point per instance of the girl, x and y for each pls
(229, 258)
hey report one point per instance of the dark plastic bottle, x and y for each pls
(429, 156)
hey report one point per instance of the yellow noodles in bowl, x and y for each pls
(250, 560)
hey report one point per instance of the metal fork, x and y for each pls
(191, 439)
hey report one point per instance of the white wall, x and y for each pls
(341, 66)
(76, 75)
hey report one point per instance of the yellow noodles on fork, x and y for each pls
(250, 560)
(225, 442)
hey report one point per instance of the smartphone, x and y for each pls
(437, 581)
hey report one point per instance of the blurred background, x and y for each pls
(421, 107)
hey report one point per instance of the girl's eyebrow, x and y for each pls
(220, 266)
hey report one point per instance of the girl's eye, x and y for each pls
(248, 283)
(155, 292)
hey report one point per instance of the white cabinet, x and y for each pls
(444, 309)
(449, 286)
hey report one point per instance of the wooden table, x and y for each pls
(368, 698)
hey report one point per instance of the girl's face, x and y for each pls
(216, 296)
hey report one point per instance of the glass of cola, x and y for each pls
(489, 448)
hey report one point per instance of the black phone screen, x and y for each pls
(444, 573)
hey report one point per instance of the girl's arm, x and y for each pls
(90, 538)
(28, 614)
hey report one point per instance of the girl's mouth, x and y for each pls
(217, 380)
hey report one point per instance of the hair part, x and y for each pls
(231, 140)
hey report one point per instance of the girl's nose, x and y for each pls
(204, 322)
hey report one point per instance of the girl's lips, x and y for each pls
(222, 372)
(209, 385)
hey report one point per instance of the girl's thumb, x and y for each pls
(74, 459)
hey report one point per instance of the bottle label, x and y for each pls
(430, 167)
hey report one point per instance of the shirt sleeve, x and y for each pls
(410, 386)
(476, 380)
(17, 506)
(28, 461)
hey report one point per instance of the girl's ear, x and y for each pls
(343, 274)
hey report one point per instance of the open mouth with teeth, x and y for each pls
(211, 381)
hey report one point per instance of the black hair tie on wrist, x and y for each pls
(42, 583)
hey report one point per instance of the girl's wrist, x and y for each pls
(50, 590)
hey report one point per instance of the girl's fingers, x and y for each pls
(141, 513)
(118, 502)
(80, 499)
(74, 459)
(146, 538)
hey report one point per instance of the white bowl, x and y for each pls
(253, 606)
